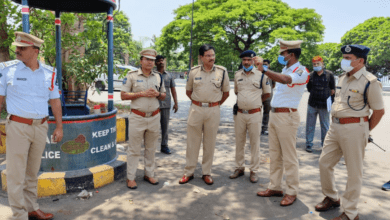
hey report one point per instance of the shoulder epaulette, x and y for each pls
(220, 67)
(370, 77)
(195, 67)
(132, 71)
(50, 68)
(10, 63)
(239, 71)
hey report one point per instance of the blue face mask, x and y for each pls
(247, 69)
(317, 68)
(281, 60)
(265, 67)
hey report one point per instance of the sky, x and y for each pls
(148, 17)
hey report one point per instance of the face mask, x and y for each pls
(317, 68)
(281, 60)
(265, 67)
(346, 65)
(247, 69)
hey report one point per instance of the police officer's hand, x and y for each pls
(58, 135)
(258, 61)
(175, 107)
(151, 93)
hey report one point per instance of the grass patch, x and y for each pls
(3, 114)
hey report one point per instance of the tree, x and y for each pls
(9, 23)
(375, 34)
(234, 26)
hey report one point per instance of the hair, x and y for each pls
(35, 47)
(363, 57)
(296, 52)
(158, 57)
(204, 48)
(266, 60)
(141, 57)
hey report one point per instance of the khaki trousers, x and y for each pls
(252, 124)
(202, 121)
(25, 146)
(283, 127)
(348, 140)
(147, 130)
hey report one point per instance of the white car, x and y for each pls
(101, 82)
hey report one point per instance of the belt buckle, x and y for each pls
(245, 112)
(148, 114)
(205, 104)
(336, 120)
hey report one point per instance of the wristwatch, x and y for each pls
(264, 71)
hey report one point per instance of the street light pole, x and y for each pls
(192, 27)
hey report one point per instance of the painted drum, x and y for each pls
(88, 141)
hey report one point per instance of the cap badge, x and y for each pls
(252, 55)
(18, 39)
(348, 49)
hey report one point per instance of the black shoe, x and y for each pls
(165, 150)
(309, 149)
(264, 132)
(386, 186)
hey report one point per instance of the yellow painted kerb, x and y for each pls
(50, 184)
(102, 175)
(120, 130)
(4, 180)
(122, 158)
(2, 145)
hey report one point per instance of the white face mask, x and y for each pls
(346, 65)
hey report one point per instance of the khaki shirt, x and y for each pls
(208, 86)
(136, 81)
(247, 88)
(353, 87)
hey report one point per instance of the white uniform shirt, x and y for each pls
(27, 92)
(289, 95)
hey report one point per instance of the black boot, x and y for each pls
(165, 149)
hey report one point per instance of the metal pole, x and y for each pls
(58, 51)
(192, 27)
(25, 16)
(110, 25)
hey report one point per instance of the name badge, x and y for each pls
(353, 90)
(21, 79)
(338, 87)
(240, 80)
(140, 80)
(198, 78)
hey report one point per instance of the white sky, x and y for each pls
(148, 17)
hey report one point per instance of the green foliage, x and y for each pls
(375, 34)
(9, 23)
(233, 26)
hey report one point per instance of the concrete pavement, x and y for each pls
(226, 199)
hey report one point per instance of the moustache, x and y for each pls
(18, 53)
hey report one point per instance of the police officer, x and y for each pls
(357, 92)
(284, 121)
(207, 87)
(144, 87)
(165, 105)
(267, 103)
(251, 87)
(28, 85)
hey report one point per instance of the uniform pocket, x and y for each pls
(217, 83)
(256, 83)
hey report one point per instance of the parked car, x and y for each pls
(101, 82)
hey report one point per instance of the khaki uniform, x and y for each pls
(249, 92)
(206, 87)
(142, 129)
(349, 140)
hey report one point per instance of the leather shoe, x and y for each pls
(269, 193)
(327, 204)
(345, 217)
(207, 179)
(253, 177)
(309, 149)
(38, 214)
(165, 150)
(288, 200)
(186, 179)
(237, 173)
(151, 180)
(131, 184)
